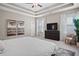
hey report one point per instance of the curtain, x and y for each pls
(40, 27)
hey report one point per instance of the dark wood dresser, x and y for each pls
(52, 34)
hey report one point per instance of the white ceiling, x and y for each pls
(37, 8)
(26, 8)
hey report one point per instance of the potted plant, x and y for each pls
(76, 23)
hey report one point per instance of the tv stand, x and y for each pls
(52, 34)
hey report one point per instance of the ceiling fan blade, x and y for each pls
(39, 5)
(33, 6)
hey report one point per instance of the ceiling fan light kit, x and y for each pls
(36, 4)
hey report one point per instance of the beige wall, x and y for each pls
(29, 23)
(53, 18)
(59, 18)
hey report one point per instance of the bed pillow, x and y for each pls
(1, 47)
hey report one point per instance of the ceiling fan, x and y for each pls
(35, 5)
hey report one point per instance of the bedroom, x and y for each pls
(30, 23)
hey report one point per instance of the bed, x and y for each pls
(27, 46)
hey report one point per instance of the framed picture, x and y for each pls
(15, 27)
(20, 27)
(11, 28)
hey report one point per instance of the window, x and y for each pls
(70, 28)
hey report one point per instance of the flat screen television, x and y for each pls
(52, 26)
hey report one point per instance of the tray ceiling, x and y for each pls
(37, 8)
(26, 8)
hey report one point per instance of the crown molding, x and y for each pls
(2, 7)
(75, 6)
(26, 9)
(46, 11)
